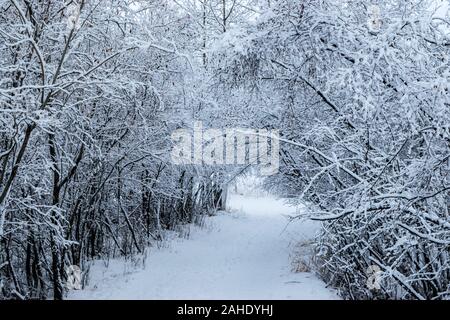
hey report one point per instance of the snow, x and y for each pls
(245, 253)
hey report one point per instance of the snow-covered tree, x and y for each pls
(361, 96)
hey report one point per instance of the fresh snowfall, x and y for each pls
(225, 149)
(244, 253)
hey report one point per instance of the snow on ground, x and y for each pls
(241, 254)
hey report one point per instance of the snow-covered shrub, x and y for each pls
(364, 115)
(89, 95)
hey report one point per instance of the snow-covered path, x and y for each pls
(244, 254)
